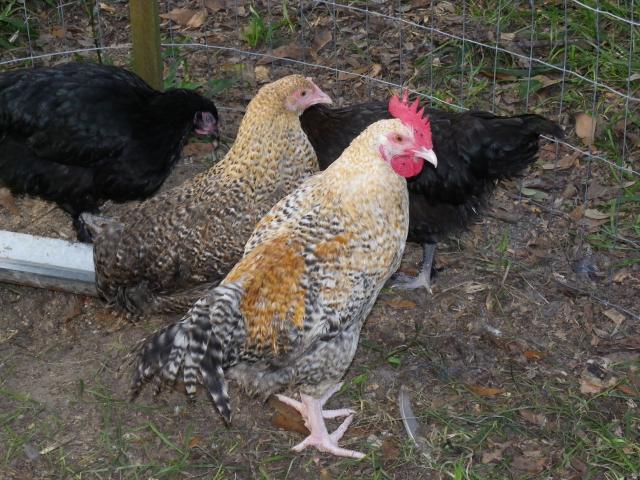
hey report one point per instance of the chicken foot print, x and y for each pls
(423, 279)
(311, 410)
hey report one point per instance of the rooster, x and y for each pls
(166, 250)
(474, 149)
(80, 133)
(289, 313)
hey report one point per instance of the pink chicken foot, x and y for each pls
(311, 410)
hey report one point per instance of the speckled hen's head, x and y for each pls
(397, 144)
(290, 95)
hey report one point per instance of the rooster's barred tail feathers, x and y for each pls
(197, 345)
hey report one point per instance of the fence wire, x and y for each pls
(576, 62)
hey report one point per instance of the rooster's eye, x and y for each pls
(398, 138)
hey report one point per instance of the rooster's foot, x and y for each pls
(311, 410)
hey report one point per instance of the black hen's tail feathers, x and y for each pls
(511, 143)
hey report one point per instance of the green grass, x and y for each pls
(25, 424)
(259, 31)
(577, 427)
(12, 25)
(13, 30)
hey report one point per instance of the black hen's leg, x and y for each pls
(83, 233)
(427, 271)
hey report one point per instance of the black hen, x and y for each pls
(474, 149)
(79, 134)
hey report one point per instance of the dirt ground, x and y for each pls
(523, 363)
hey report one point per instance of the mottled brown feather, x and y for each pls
(274, 297)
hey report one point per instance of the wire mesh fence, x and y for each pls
(502, 361)
(573, 61)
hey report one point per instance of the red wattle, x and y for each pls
(407, 165)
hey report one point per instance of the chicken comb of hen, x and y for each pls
(412, 115)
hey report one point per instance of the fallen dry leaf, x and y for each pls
(262, 74)
(286, 417)
(577, 213)
(586, 127)
(8, 202)
(529, 464)
(215, 5)
(444, 8)
(195, 441)
(390, 450)
(595, 378)
(292, 50)
(592, 225)
(492, 455)
(595, 214)
(568, 161)
(198, 19)
(181, 16)
(474, 287)
(321, 39)
(615, 316)
(376, 68)
(579, 465)
(546, 81)
(289, 423)
(401, 304)
(105, 7)
(58, 32)
(72, 310)
(533, 355)
(497, 453)
(485, 391)
(7, 335)
(621, 275)
(197, 149)
(354, 75)
(534, 418)
(627, 390)
(325, 474)
(596, 190)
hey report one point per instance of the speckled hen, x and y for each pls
(171, 247)
(289, 314)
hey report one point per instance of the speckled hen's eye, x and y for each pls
(303, 93)
(399, 138)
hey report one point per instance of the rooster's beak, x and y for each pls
(427, 155)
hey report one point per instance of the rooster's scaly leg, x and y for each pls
(311, 410)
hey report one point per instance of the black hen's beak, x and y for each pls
(205, 123)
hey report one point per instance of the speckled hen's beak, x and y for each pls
(318, 96)
(427, 155)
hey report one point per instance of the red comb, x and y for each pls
(412, 116)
